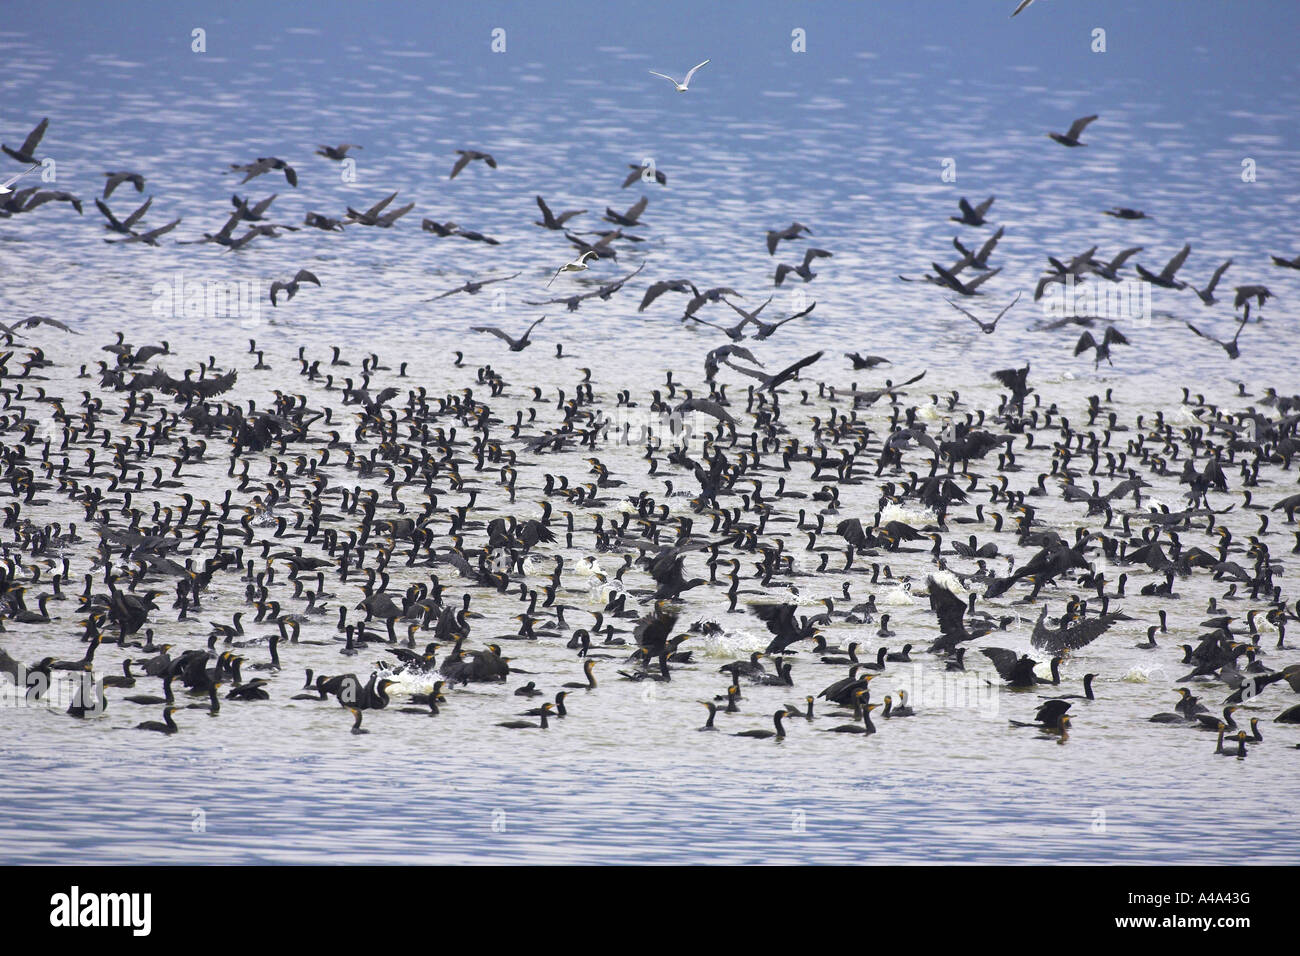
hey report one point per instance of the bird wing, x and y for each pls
(790, 318)
(1218, 274)
(34, 137)
(1078, 125)
(691, 73)
(1176, 262)
(720, 328)
(1043, 283)
(948, 278)
(1120, 259)
(1213, 473)
(748, 371)
(653, 292)
(1007, 309)
(1244, 295)
(461, 163)
(1086, 341)
(610, 288)
(950, 610)
(1010, 377)
(108, 214)
(36, 320)
(112, 181)
(379, 206)
(983, 207)
(1050, 713)
(1044, 637)
(1242, 324)
(493, 331)
(741, 312)
(1004, 660)
(741, 352)
(4, 187)
(990, 243)
(980, 280)
(225, 231)
(136, 216)
(708, 407)
(967, 314)
(1086, 632)
(791, 371)
(777, 617)
(547, 216)
(388, 218)
(665, 76)
(161, 230)
(851, 530)
(264, 205)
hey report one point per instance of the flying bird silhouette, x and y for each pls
(265, 164)
(988, 328)
(339, 152)
(290, 288)
(1230, 346)
(1071, 136)
(468, 156)
(113, 180)
(577, 265)
(684, 85)
(972, 215)
(804, 269)
(552, 221)
(516, 345)
(26, 153)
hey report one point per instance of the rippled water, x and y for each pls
(848, 138)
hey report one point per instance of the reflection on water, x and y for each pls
(850, 141)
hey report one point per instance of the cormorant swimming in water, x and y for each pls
(528, 725)
(588, 669)
(713, 712)
(165, 726)
(779, 733)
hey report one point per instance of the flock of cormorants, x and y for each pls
(370, 512)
